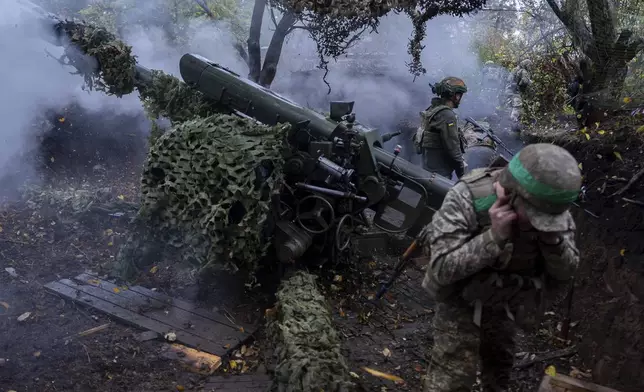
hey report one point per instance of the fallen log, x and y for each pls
(306, 346)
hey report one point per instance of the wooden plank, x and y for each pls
(562, 383)
(241, 383)
(176, 318)
(169, 301)
(227, 334)
(97, 299)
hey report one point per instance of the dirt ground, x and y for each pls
(43, 242)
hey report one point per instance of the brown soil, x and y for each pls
(393, 336)
(608, 300)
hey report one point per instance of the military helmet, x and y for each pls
(548, 179)
(449, 86)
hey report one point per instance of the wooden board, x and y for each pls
(197, 328)
(241, 383)
(561, 383)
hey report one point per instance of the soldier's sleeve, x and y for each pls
(449, 133)
(561, 260)
(455, 252)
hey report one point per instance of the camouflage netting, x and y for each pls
(163, 95)
(206, 187)
(307, 347)
(334, 22)
(114, 73)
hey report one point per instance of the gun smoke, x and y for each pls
(373, 74)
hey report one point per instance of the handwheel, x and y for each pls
(343, 232)
(318, 217)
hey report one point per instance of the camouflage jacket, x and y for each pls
(461, 246)
(518, 81)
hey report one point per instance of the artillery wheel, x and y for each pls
(321, 213)
(343, 232)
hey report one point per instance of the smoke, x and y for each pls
(374, 74)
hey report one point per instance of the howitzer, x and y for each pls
(338, 168)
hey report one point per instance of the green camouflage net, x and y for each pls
(162, 94)
(206, 187)
(169, 97)
(307, 347)
(114, 73)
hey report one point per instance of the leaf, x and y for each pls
(0, 229)
(121, 197)
(94, 282)
(601, 132)
(581, 167)
(154, 269)
(627, 100)
(386, 352)
(4, 305)
(587, 136)
(551, 371)
(110, 243)
(61, 120)
(640, 129)
(618, 155)
(622, 252)
(52, 159)
(386, 376)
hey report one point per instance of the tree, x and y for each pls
(603, 38)
(335, 26)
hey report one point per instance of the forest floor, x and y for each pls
(45, 238)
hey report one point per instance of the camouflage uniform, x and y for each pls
(438, 137)
(484, 286)
(518, 83)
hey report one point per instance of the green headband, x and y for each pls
(536, 188)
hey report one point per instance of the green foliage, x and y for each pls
(548, 93)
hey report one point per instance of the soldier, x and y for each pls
(438, 137)
(518, 83)
(501, 236)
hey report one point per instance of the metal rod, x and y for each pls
(331, 192)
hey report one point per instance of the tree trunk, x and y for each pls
(608, 51)
(254, 34)
(269, 69)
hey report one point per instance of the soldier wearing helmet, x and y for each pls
(518, 84)
(438, 138)
(499, 240)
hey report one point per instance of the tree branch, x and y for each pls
(269, 69)
(254, 34)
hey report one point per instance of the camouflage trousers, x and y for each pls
(514, 104)
(459, 347)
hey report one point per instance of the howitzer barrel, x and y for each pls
(266, 106)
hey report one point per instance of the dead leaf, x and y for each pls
(386, 352)
(37, 354)
(386, 376)
(640, 128)
(227, 346)
(109, 232)
(121, 197)
(94, 282)
(618, 155)
(627, 100)
(354, 375)
(587, 136)
(337, 278)
(601, 132)
(24, 316)
(196, 361)
(4, 305)
(61, 120)
(581, 167)
(110, 243)
(551, 371)
(52, 159)
(154, 269)
(622, 252)
(0, 229)
(170, 336)
(180, 388)
(116, 290)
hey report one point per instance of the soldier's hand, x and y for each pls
(502, 214)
